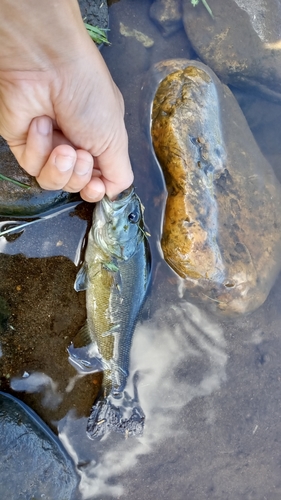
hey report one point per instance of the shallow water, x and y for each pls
(210, 388)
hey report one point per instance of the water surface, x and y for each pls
(210, 387)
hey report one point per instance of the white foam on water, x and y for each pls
(174, 338)
(38, 382)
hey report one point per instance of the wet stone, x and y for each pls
(241, 43)
(222, 224)
(18, 200)
(33, 463)
(167, 14)
(94, 12)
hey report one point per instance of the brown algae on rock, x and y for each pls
(192, 218)
(221, 229)
(145, 40)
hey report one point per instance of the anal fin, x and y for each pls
(84, 354)
(81, 282)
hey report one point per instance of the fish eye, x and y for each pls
(134, 217)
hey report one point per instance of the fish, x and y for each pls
(116, 276)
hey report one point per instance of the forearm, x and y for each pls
(35, 34)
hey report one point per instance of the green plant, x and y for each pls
(97, 34)
(204, 2)
(18, 183)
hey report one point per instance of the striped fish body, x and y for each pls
(115, 275)
(115, 293)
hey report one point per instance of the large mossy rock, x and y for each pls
(222, 224)
(33, 463)
(241, 43)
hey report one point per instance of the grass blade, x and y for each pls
(18, 183)
(98, 35)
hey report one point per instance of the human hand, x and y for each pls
(60, 110)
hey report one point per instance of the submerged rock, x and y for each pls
(222, 225)
(33, 463)
(142, 38)
(241, 43)
(167, 14)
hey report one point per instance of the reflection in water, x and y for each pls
(273, 45)
(46, 236)
(259, 14)
(38, 382)
(180, 354)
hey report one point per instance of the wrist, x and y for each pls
(38, 35)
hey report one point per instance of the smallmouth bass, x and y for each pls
(115, 275)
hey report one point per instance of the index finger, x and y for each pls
(115, 165)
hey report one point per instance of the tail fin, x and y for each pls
(127, 418)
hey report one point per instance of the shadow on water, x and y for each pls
(210, 388)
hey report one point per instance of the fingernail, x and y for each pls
(95, 195)
(83, 167)
(44, 125)
(64, 163)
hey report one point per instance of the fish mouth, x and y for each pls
(119, 202)
(105, 209)
(108, 215)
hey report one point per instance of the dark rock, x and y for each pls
(17, 200)
(94, 12)
(167, 14)
(241, 43)
(33, 463)
(222, 223)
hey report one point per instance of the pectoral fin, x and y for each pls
(81, 282)
(85, 359)
(110, 266)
